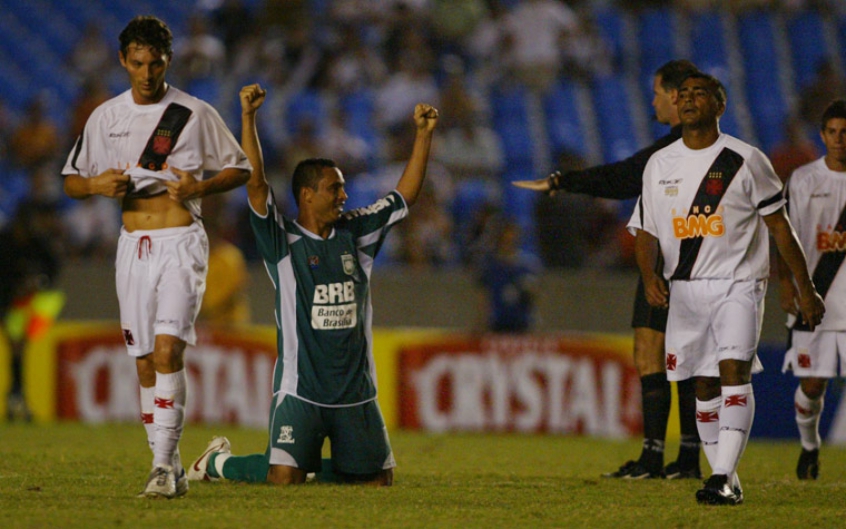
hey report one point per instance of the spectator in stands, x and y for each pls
(92, 55)
(485, 45)
(827, 86)
(796, 149)
(413, 82)
(508, 277)
(36, 139)
(232, 20)
(92, 226)
(535, 37)
(354, 65)
(453, 21)
(93, 93)
(468, 147)
(427, 236)
(200, 55)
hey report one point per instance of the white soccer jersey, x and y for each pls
(705, 208)
(817, 208)
(180, 131)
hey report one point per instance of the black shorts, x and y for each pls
(645, 315)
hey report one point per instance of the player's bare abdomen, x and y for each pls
(154, 213)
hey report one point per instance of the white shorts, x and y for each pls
(815, 354)
(160, 278)
(712, 320)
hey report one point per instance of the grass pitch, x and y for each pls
(73, 475)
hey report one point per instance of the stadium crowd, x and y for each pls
(342, 75)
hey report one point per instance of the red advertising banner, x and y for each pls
(544, 384)
(229, 377)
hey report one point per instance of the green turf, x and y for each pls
(72, 475)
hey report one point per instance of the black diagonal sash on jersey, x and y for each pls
(164, 137)
(711, 190)
(827, 267)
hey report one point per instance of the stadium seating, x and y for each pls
(563, 124)
(613, 114)
(761, 65)
(510, 117)
(805, 32)
(36, 36)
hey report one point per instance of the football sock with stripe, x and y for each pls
(169, 414)
(736, 417)
(147, 398)
(808, 413)
(708, 424)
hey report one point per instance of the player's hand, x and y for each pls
(425, 117)
(252, 97)
(113, 183)
(789, 298)
(186, 188)
(542, 185)
(812, 309)
(656, 291)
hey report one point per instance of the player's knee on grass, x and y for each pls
(285, 475)
(385, 478)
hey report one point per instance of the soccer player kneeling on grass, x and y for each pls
(709, 199)
(324, 384)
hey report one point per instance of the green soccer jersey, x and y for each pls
(323, 308)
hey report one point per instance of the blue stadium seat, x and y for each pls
(510, 120)
(358, 111)
(611, 102)
(308, 104)
(656, 36)
(520, 206)
(763, 89)
(609, 24)
(563, 124)
(707, 41)
(804, 33)
(205, 88)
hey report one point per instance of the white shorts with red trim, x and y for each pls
(712, 320)
(160, 278)
(816, 354)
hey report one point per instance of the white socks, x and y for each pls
(736, 416)
(147, 406)
(708, 425)
(169, 416)
(808, 419)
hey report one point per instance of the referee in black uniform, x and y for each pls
(624, 180)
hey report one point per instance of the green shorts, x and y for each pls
(357, 434)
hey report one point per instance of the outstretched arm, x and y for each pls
(425, 118)
(811, 305)
(618, 180)
(252, 97)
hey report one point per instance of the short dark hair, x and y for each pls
(147, 31)
(674, 72)
(308, 173)
(835, 109)
(716, 85)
